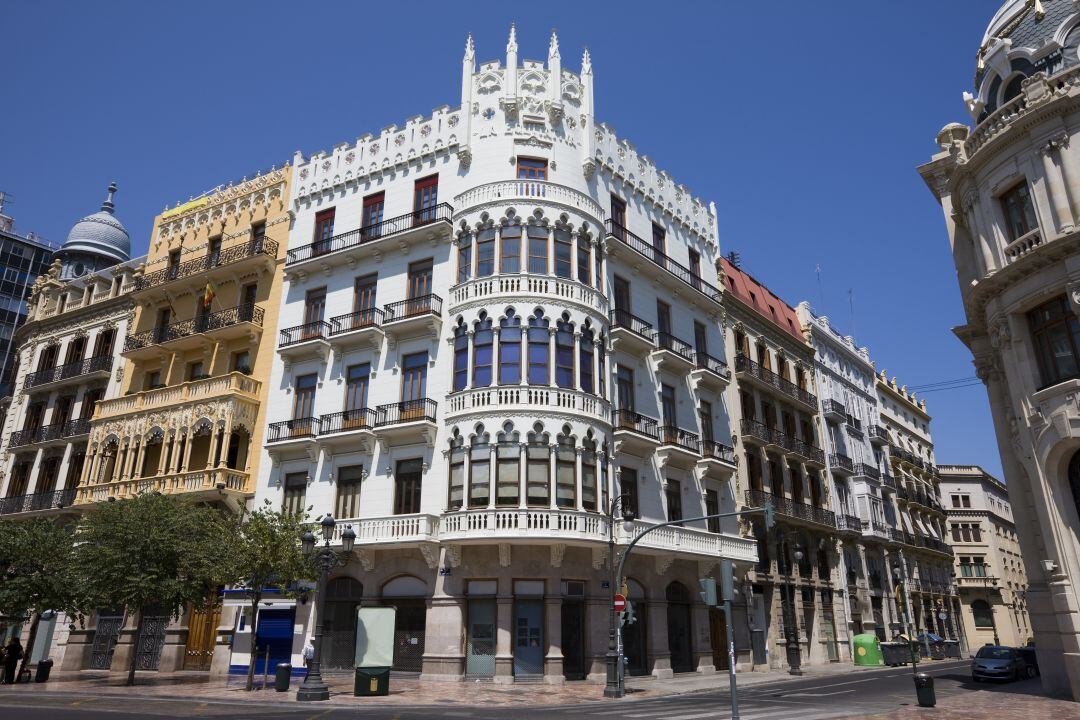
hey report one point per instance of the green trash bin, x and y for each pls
(924, 690)
(372, 681)
(282, 675)
(866, 649)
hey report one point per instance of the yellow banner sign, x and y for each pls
(186, 207)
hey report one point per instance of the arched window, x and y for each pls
(1013, 89)
(563, 253)
(510, 349)
(461, 356)
(485, 252)
(538, 471)
(510, 250)
(564, 353)
(676, 592)
(456, 495)
(539, 339)
(565, 471)
(586, 358)
(600, 360)
(483, 339)
(584, 265)
(588, 474)
(982, 613)
(479, 470)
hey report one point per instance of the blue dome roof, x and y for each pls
(100, 234)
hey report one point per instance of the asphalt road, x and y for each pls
(814, 698)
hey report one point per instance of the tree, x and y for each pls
(267, 553)
(152, 550)
(37, 572)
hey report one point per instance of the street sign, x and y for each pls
(620, 603)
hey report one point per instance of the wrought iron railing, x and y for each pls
(867, 470)
(660, 258)
(317, 330)
(629, 420)
(718, 451)
(675, 435)
(834, 407)
(745, 364)
(69, 370)
(848, 522)
(212, 259)
(807, 451)
(785, 506)
(667, 341)
(888, 482)
(843, 462)
(704, 361)
(876, 432)
(758, 430)
(348, 420)
(47, 433)
(199, 324)
(623, 319)
(372, 232)
(429, 304)
(38, 501)
(366, 318)
(422, 409)
(297, 428)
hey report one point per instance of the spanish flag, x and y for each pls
(208, 295)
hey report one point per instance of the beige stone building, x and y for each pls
(989, 567)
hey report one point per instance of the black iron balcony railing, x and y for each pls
(359, 320)
(807, 451)
(199, 324)
(51, 500)
(757, 430)
(430, 304)
(623, 319)
(837, 460)
(635, 422)
(69, 370)
(784, 506)
(316, 330)
(903, 493)
(675, 435)
(896, 534)
(295, 429)
(212, 259)
(46, 433)
(718, 451)
(347, 421)
(889, 482)
(745, 364)
(834, 407)
(658, 256)
(877, 432)
(705, 361)
(867, 470)
(848, 522)
(73, 428)
(667, 341)
(370, 233)
(421, 409)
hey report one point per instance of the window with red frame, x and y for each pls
(324, 230)
(425, 198)
(531, 169)
(373, 215)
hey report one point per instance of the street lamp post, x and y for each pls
(614, 686)
(791, 627)
(324, 559)
(898, 575)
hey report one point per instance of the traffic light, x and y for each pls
(770, 519)
(629, 618)
(727, 581)
(708, 591)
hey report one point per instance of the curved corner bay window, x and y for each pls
(564, 353)
(539, 355)
(510, 349)
(456, 496)
(588, 477)
(510, 249)
(538, 249)
(461, 357)
(507, 473)
(584, 266)
(586, 359)
(1019, 211)
(1055, 333)
(483, 345)
(565, 480)
(464, 258)
(563, 251)
(485, 252)
(538, 474)
(479, 475)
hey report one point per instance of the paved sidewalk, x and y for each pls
(991, 704)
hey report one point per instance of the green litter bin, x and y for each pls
(866, 649)
(924, 690)
(372, 681)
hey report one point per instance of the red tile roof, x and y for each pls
(760, 299)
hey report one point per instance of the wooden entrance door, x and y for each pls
(202, 635)
(718, 638)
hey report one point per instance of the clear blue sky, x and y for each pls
(803, 121)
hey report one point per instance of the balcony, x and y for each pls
(358, 330)
(38, 502)
(224, 484)
(392, 531)
(752, 430)
(896, 535)
(848, 524)
(309, 340)
(407, 422)
(875, 529)
(977, 582)
(770, 380)
(710, 373)
(350, 247)
(634, 433)
(878, 435)
(630, 333)
(717, 461)
(673, 355)
(841, 464)
(535, 525)
(295, 435)
(48, 434)
(200, 331)
(238, 259)
(234, 384)
(809, 453)
(833, 410)
(867, 471)
(621, 241)
(888, 483)
(350, 429)
(678, 447)
(498, 194)
(73, 372)
(791, 509)
(527, 399)
(511, 289)
(415, 317)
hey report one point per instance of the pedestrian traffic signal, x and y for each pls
(708, 591)
(727, 581)
(770, 519)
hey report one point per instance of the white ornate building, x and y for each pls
(1010, 191)
(496, 319)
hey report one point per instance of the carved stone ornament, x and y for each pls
(558, 551)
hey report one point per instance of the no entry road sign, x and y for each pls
(620, 603)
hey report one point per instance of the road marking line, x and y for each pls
(319, 715)
(817, 694)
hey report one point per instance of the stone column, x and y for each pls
(444, 630)
(657, 640)
(1055, 190)
(551, 356)
(553, 661)
(577, 361)
(492, 467)
(495, 333)
(469, 361)
(226, 441)
(577, 478)
(868, 623)
(504, 639)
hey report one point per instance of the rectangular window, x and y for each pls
(425, 198)
(712, 507)
(531, 169)
(461, 359)
(304, 402)
(701, 338)
(348, 491)
(510, 354)
(620, 292)
(538, 474)
(585, 358)
(479, 475)
(485, 253)
(464, 259)
(705, 417)
(618, 217)
(420, 276)
(1019, 211)
(564, 355)
(955, 532)
(624, 388)
(628, 486)
(324, 230)
(356, 387)
(314, 310)
(295, 489)
(588, 480)
(667, 405)
(584, 264)
(565, 475)
(538, 250)
(663, 319)
(414, 377)
(510, 249)
(563, 251)
(673, 494)
(153, 380)
(659, 243)
(1055, 333)
(965, 500)
(976, 533)
(241, 362)
(407, 482)
(507, 473)
(695, 268)
(364, 298)
(373, 216)
(195, 371)
(258, 235)
(457, 478)
(483, 347)
(539, 351)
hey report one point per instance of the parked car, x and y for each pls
(996, 662)
(1028, 652)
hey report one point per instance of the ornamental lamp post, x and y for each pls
(614, 688)
(324, 559)
(791, 627)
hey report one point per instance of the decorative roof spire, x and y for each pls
(470, 51)
(511, 45)
(107, 206)
(586, 63)
(553, 47)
